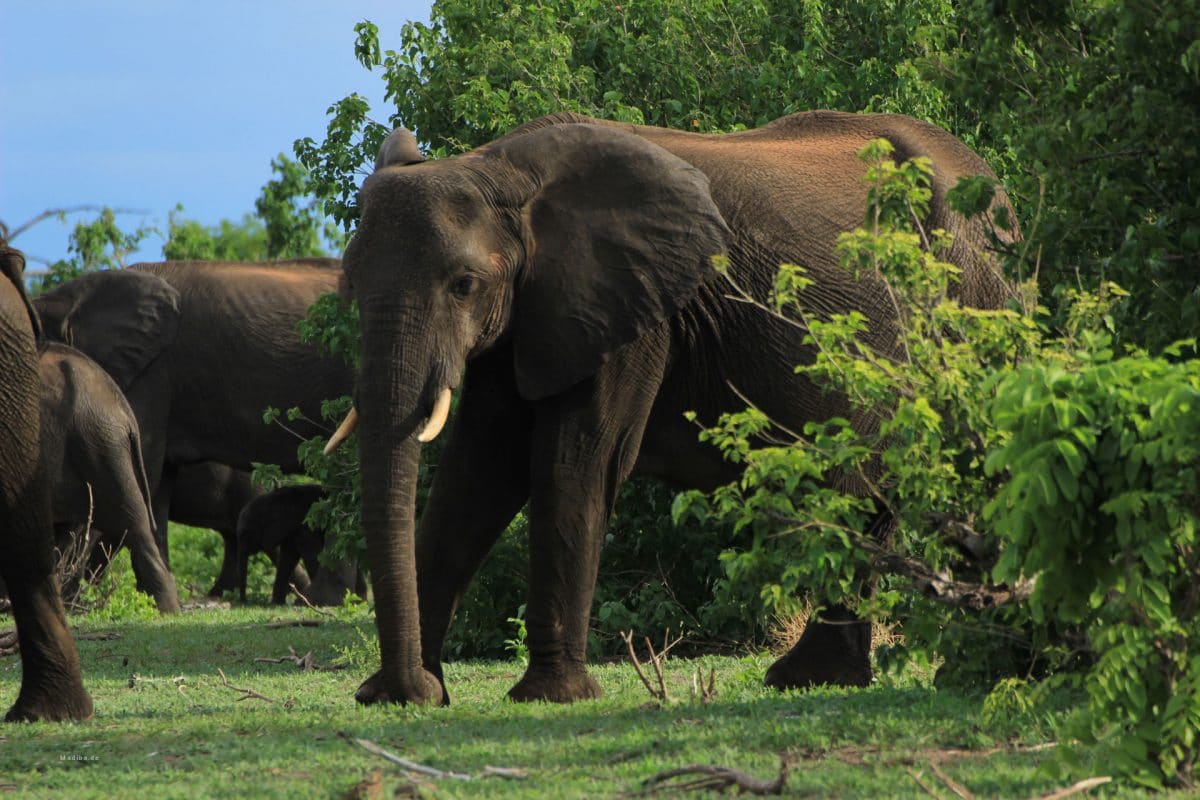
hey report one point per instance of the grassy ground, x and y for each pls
(166, 725)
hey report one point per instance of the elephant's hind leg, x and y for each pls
(834, 650)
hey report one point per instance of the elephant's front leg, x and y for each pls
(586, 442)
(482, 480)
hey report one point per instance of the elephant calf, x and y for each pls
(92, 451)
(275, 522)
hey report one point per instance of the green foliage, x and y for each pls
(482, 67)
(1023, 502)
(287, 223)
(517, 645)
(1101, 505)
(188, 239)
(1090, 110)
(98, 244)
(114, 595)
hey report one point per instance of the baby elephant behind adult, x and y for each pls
(276, 521)
(93, 454)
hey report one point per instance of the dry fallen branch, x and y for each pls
(411, 766)
(1076, 788)
(247, 694)
(511, 773)
(660, 694)
(306, 602)
(922, 784)
(713, 779)
(951, 784)
(704, 693)
(304, 662)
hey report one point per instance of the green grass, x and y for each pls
(166, 726)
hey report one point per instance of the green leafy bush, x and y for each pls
(1022, 501)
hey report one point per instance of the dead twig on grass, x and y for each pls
(917, 779)
(411, 766)
(1076, 788)
(306, 602)
(951, 784)
(512, 773)
(247, 694)
(304, 662)
(713, 778)
(660, 694)
(699, 690)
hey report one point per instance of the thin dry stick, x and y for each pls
(246, 693)
(637, 665)
(1076, 788)
(411, 766)
(951, 784)
(699, 690)
(304, 599)
(922, 784)
(714, 778)
(304, 662)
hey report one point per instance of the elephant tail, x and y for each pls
(135, 452)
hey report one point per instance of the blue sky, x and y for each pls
(146, 104)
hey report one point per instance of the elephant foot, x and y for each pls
(167, 601)
(221, 587)
(51, 706)
(555, 687)
(834, 650)
(423, 689)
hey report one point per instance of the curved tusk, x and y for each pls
(343, 432)
(437, 420)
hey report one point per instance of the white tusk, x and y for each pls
(437, 420)
(343, 432)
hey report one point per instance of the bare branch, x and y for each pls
(1076, 788)
(247, 694)
(714, 779)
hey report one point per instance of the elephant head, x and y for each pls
(561, 244)
(122, 319)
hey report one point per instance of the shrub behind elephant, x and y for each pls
(200, 350)
(274, 524)
(51, 684)
(568, 268)
(92, 452)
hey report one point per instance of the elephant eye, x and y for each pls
(464, 285)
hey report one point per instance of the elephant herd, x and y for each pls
(560, 280)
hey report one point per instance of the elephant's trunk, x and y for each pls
(394, 399)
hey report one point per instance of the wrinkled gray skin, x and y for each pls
(274, 524)
(566, 268)
(200, 349)
(89, 438)
(51, 683)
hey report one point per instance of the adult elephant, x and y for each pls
(51, 684)
(92, 454)
(569, 264)
(200, 350)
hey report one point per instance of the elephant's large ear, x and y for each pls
(12, 266)
(121, 318)
(620, 234)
